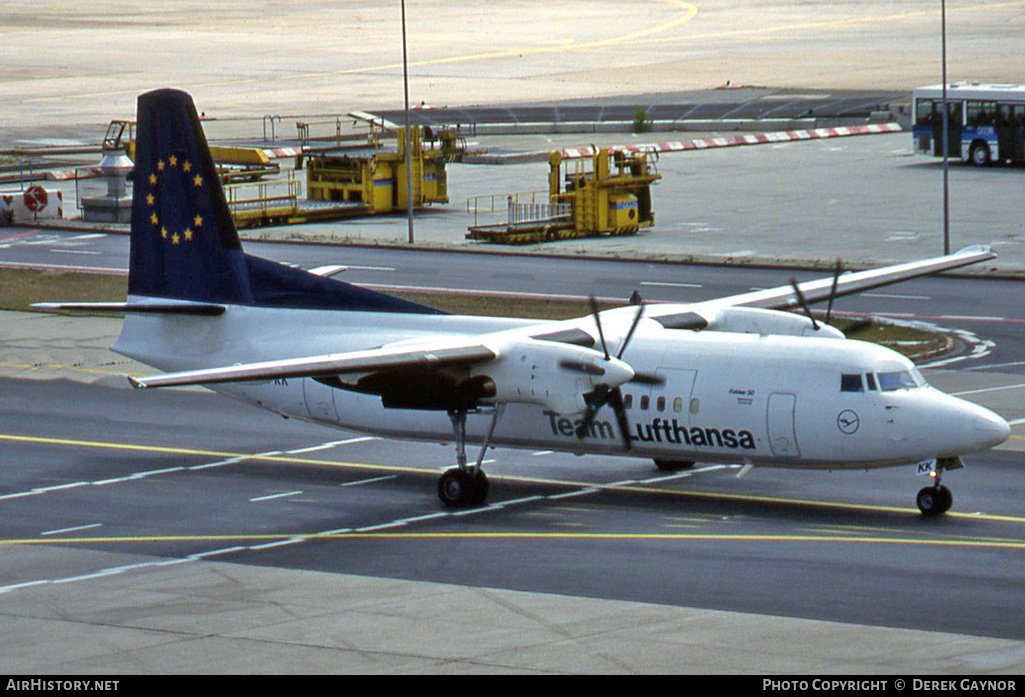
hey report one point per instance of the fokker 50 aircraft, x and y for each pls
(731, 380)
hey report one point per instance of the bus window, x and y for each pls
(981, 113)
(924, 111)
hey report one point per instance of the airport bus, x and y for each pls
(987, 122)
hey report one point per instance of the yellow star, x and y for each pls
(173, 160)
(187, 166)
(197, 180)
(151, 199)
(188, 234)
(153, 179)
(175, 239)
(154, 219)
(163, 232)
(198, 220)
(160, 165)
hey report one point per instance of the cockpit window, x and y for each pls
(900, 380)
(851, 382)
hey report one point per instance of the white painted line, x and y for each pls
(215, 552)
(140, 475)
(672, 285)
(59, 487)
(27, 584)
(332, 444)
(279, 543)
(74, 529)
(976, 318)
(474, 511)
(896, 296)
(382, 526)
(336, 531)
(421, 518)
(370, 268)
(221, 463)
(989, 389)
(370, 481)
(525, 499)
(572, 494)
(275, 496)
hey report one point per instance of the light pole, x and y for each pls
(946, 133)
(409, 139)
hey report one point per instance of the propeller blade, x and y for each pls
(803, 302)
(832, 293)
(616, 399)
(595, 401)
(597, 321)
(629, 334)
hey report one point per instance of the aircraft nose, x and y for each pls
(989, 429)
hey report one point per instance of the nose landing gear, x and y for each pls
(936, 499)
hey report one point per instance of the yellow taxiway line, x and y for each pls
(288, 459)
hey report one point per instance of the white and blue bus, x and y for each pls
(987, 122)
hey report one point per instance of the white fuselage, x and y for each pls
(721, 396)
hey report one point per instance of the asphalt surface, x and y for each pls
(132, 565)
(190, 475)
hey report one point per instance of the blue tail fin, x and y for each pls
(184, 243)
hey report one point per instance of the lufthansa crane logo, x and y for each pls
(848, 421)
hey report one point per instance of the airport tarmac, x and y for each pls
(71, 70)
(191, 615)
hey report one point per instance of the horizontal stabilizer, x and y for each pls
(160, 308)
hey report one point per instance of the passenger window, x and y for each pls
(628, 401)
(644, 402)
(661, 404)
(678, 405)
(851, 382)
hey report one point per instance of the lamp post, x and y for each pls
(946, 133)
(409, 140)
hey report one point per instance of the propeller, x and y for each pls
(804, 303)
(832, 291)
(837, 271)
(606, 394)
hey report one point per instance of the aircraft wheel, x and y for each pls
(480, 488)
(674, 465)
(934, 500)
(461, 488)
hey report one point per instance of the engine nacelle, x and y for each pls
(553, 375)
(753, 320)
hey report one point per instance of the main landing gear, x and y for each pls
(936, 499)
(466, 485)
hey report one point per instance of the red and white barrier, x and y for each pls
(34, 203)
(739, 140)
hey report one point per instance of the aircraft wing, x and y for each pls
(721, 313)
(783, 297)
(423, 356)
